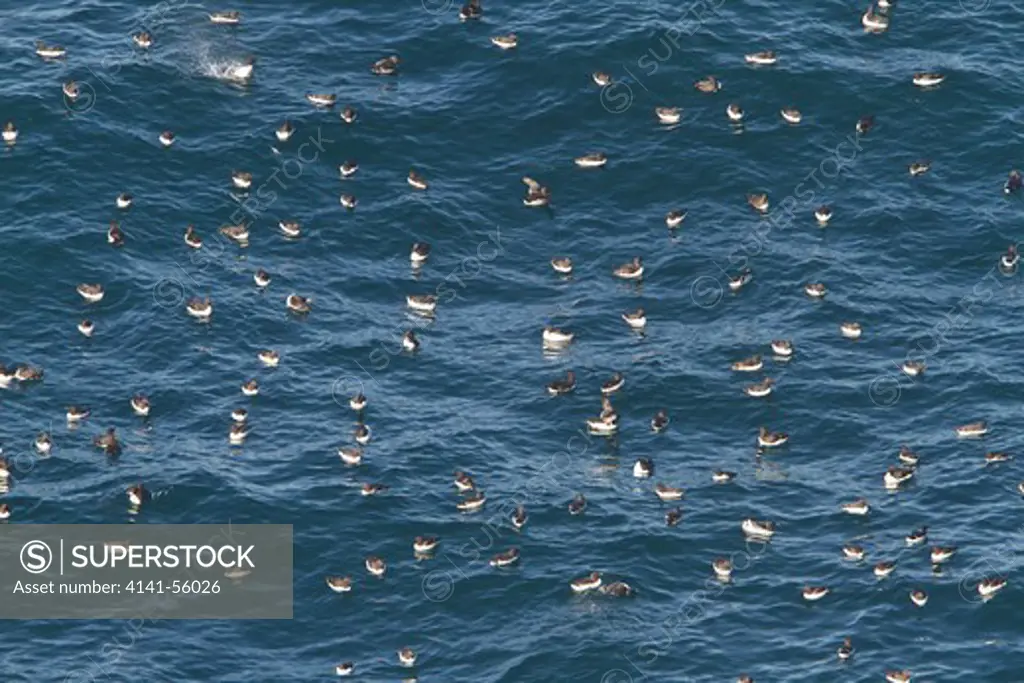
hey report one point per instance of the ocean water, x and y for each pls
(912, 259)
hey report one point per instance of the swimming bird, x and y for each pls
(417, 181)
(917, 537)
(760, 389)
(269, 357)
(1013, 183)
(505, 42)
(423, 303)
(298, 304)
(595, 160)
(241, 179)
(791, 115)
(5, 511)
(339, 584)
(708, 85)
(864, 124)
(884, 569)
(919, 597)
(291, 229)
(913, 368)
(166, 138)
(768, 439)
(928, 79)
(559, 387)
(643, 468)
(386, 66)
(232, 17)
(815, 290)
(989, 587)
(86, 327)
(758, 528)
(1009, 260)
(143, 39)
(859, 507)
(823, 214)
(996, 457)
(321, 99)
(505, 559)
(578, 504)
(348, 169)
(471, 10)
(10, 133)
(236, 233)
(373, 489)
(587, 583)
(634, 270)
(472, 502)
(349, 115)
(536, 194)
(759, 202)
(1020, 488)
(519, 517)
(261, 278)
(618, 589)
(845, 650)
(636, 319)
(406, 657)
(136, 495)
(722, 567)
(91, 293)
(751, 364)
(850, 330)
(782, 348)
(376, 566)
(896, 477)
(853, 552)
(115, 236)
(49, 51)
(199, 308)
(409, 342)
(464, 482)
(350, 455)
(238, 433)
(734, 112)
(562, 265)
(974, 429)
(919, 168)
(43, 443)
(814, 593)
(554, 337)
(419, 253)
(722, 476)
(362, 434)
(675, 218)
(284, 131)
(940, 554)
(897, 676)
(613, 384)
(673, 517)
(76, 414)
(659, 422)
(907, 456)
(766, 58)
(667, 493)
(601, 78)
(243, 71)
(423, 545)
(140, 405)
(668, 115)
(240, 415)
(874, 21)
(27, 373)
(349, 201)
(740, 280)
(251, 388)
(192, 238)
(357, 402)
(123, 200)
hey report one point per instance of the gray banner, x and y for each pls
(138, 571)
